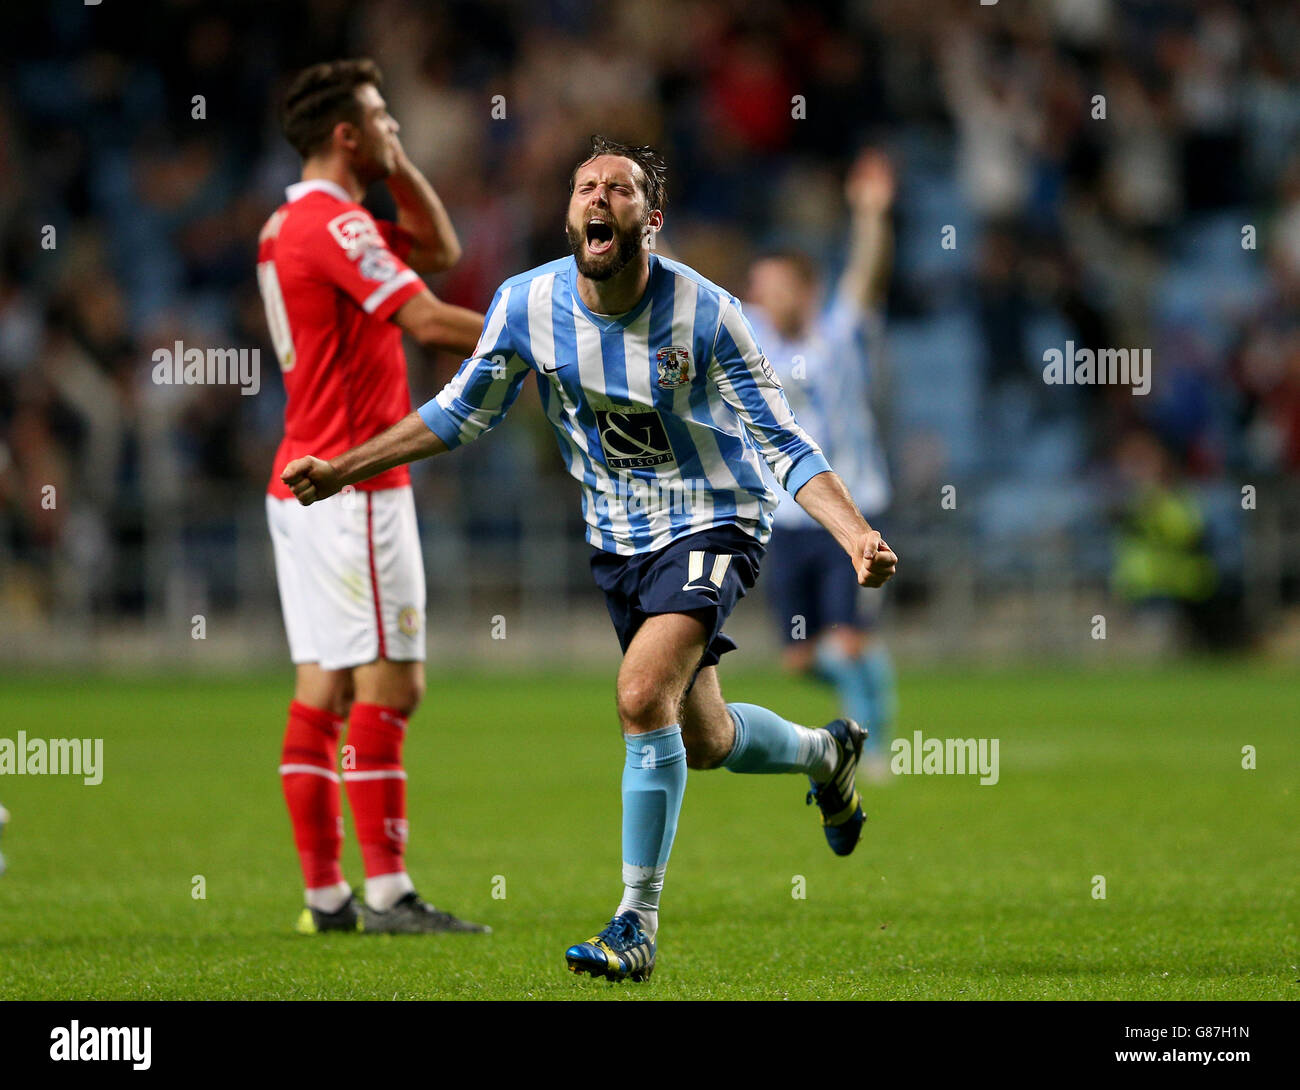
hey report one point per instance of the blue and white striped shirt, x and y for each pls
(664, 414)
(827, 377)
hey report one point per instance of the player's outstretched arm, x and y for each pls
(870, 191)
(409, 440)
(826, 499)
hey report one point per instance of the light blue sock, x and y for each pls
(878, 668)
(849, 676)
(654, 780)
(767, 743)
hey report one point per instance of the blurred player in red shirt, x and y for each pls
(340, 288)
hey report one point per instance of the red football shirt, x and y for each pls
(331, 276)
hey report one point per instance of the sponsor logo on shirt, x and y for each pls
(356, 232)
(633, 438)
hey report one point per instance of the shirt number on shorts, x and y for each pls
(697, 560)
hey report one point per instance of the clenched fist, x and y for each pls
(311, 479)
(876, 560)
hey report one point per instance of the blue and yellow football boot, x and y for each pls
(619, 952)
(838, 798)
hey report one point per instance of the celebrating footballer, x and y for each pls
(647, 370)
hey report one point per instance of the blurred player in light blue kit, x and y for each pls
(819, 349)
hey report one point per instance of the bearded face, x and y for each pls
(608, 217)
(602, 246)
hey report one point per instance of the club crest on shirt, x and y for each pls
(674, 366)
(356, 232)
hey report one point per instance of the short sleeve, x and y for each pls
(477, 399)
(364, 259)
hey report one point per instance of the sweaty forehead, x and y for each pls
(609, 168)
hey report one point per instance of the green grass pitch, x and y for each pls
(957, 890)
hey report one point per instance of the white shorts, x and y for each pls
(351, 577)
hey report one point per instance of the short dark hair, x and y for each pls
(320, 97)
(653, 170)
(801, 262)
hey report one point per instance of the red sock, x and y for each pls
(372, 773)
(311, 788)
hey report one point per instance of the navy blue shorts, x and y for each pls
(810, 576)
(710, 570)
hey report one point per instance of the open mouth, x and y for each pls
(600, 236)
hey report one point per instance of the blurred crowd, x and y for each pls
(1116, 173)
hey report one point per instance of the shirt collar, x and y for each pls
(611, 322)
(317, 185)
